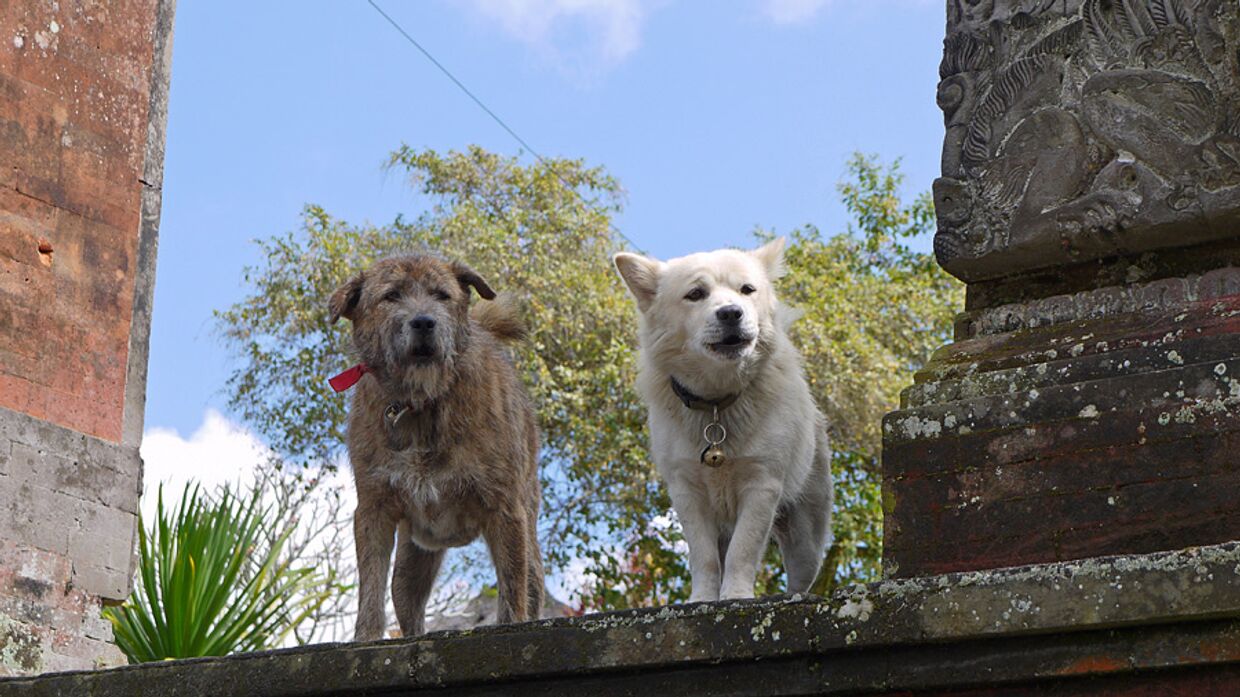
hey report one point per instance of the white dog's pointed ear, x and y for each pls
(771, 256)
(641, 275)
(786, 315)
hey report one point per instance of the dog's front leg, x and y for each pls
(373, 533)
(701, 533)
(508, 537)
(754, 517)
(413, 579)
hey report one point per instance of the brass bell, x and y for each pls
(713, 456)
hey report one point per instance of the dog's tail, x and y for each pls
(501, 317)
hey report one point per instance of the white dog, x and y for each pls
(734, 430)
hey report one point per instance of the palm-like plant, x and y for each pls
(212, 580)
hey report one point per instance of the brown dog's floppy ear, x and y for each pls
(344, 300)
(470, 278)
(641, 275)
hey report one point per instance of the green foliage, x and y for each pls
(212, 581)
(543, 231)
(874, 311)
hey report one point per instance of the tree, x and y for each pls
(544, 231)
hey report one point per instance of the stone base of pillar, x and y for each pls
(1100, 421)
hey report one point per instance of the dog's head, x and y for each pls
(719, 305)
(410, 318)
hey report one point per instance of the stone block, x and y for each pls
(80, 466)
(35, 516)
(111, 585)
(97, 628)
(102, 537)
(21, 647)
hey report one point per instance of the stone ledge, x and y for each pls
(1107, 618)
(1163, 295)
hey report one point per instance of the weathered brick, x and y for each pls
(35, 515)
(96, 627)
(90, 474)
(21, 647)
(1104, 363)
(1108, 469)
(83, 652)
(101, 536)
(111, 585)
(45, 611)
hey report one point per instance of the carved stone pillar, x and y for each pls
(1091, 199)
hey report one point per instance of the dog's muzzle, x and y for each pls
(732, 336)
(732, 343)
(423, 345)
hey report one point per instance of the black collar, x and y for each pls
(693, 401)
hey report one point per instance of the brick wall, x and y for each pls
(83, 88)
(74, 94)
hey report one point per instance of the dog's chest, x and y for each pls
(441, 506)
(416, 480)
(440, 525)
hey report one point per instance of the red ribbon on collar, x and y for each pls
(348, 378)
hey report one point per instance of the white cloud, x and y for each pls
(796, 11)
(792, 11)
(606, 31)
(219, 452)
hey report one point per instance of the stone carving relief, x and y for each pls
(1077, 129)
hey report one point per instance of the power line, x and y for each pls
(494, 117)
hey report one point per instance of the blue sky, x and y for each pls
(715, 116)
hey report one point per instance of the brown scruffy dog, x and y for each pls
(443, 439)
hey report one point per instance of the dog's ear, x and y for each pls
(343, 302)
(468, 278)
(771, 256)
(641, 275)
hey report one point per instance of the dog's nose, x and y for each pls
(729, 314)
(422, 323)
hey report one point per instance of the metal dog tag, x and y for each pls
(398, 438)
(715, 434)
(713, 456)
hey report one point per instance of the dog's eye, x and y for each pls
(695, 295)
(748, 289)
(392, 296)
(441, 294)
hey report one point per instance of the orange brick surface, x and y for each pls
(74, 86)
